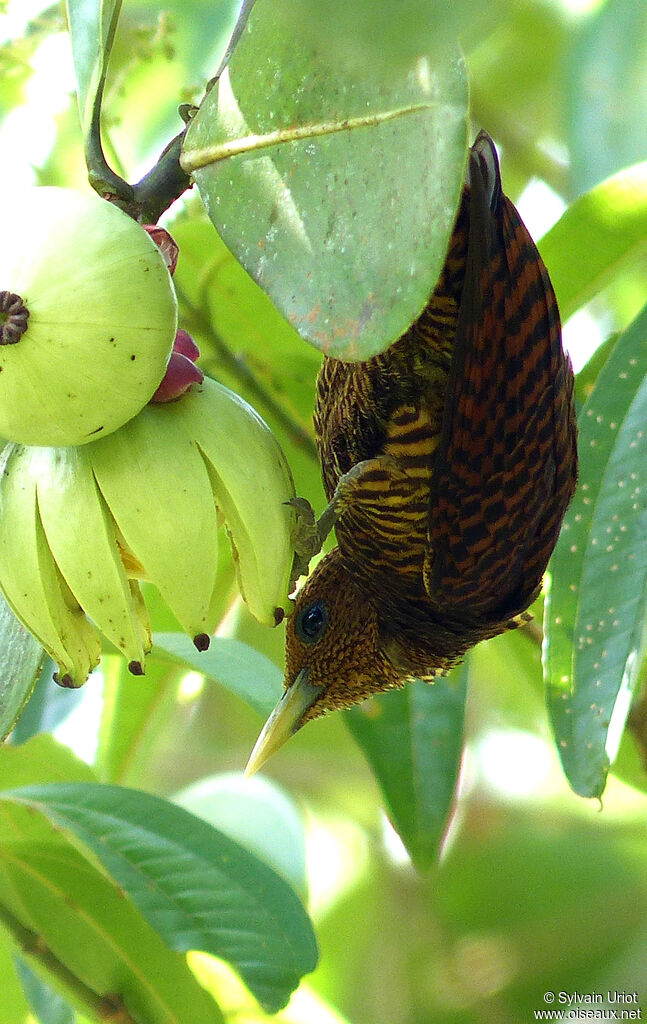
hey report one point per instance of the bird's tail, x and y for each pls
(483, 154)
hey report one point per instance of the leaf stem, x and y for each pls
(167, 180)
(100, 175)
(32, 946)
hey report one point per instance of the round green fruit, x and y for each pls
(87, 317)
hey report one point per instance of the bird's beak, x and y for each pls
(284, 720)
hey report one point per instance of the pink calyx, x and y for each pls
(165, 243)
(180, 374)
(185, 345)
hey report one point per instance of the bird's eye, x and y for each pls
(311, 622)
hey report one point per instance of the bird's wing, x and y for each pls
(506, 463)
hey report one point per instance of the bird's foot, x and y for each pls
(357, 487)
(306, 539)
(309, 533)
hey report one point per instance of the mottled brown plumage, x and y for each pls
(449, 462)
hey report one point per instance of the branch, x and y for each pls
(146, 201)
(163, 184)
(108, 1007)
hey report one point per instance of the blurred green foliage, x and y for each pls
(536, 890)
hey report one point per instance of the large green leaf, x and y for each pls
(77, 924)
(258, 815)
(597, 237)
(330, 160)
(235, 665)
(606, 92)
(244, 7)
(22, 660)
(92, 25)
(413, 739)
(595, 616)
(195, 886)
(92, 943)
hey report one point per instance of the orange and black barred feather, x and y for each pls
(392, 405)
(506, 466)
(450, 460)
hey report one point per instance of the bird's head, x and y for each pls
(334, 655)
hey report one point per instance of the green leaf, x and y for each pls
(99, 943)
(48, 706)
(597, 237)
(46, 1004)
(336, 189)
(413, 739)
(196, 887)
(134, 715)
(606, 92)
(257, 814)
(23, 659)
(244, 7)
(92, 25)
(594, 620)
(41, 759)
(238, 667)
(588, 375)
(99, 951)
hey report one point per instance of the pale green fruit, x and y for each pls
(101, 324)
(79, 526)
(252, 486)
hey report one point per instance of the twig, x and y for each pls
(163, 184)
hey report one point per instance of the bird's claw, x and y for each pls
(306, 537)
(309, 534)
